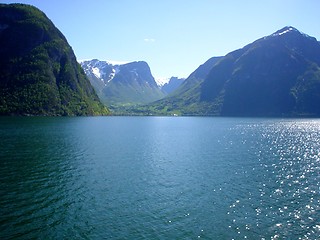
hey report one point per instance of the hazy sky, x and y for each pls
(173, 36)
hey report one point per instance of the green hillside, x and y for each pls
(277, 75)
(39, 74)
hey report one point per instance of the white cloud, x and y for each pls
(149, 40)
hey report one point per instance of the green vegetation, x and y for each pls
(131, 84)
(307, 91)
(39, 74)
(277, 75)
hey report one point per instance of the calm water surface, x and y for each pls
(159, 178)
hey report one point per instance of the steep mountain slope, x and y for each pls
(186, 97)
(130, 83)
(172, 85)
(278, 75)
(39, 74)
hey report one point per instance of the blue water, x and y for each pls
(159, 178)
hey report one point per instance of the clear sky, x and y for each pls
(173, 36)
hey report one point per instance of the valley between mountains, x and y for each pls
(277, 75)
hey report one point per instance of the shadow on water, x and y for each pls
(40, 168)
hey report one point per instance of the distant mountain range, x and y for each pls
(277, 75)
(171, 85)
(39, 74)
(126, 84)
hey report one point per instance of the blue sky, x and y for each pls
(173, 36)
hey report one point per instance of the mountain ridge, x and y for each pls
(171, 85)
(122, 84)
(276, 75)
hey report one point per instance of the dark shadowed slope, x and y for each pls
(39, 74)
(277, 75)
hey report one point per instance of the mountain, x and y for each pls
(39, 74)
(277, 75)
(125, 84)
(185, 99)
(172, 85)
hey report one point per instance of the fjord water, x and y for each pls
(159, 178)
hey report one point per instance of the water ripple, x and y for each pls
(160, 178)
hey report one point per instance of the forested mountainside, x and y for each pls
(39, 74)
(277, 75)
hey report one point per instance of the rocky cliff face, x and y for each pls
(172, 85)
(130, 83)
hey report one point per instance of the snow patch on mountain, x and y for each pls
(113, 73)
(112, 62)
(161, 81)
(96, 72)
(285, 31)
(289, 29)
(103, 70)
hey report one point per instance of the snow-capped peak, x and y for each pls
(102, 70)
(285, 31)
(289, 29)
(96, 61)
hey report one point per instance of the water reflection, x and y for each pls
(287, 181)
